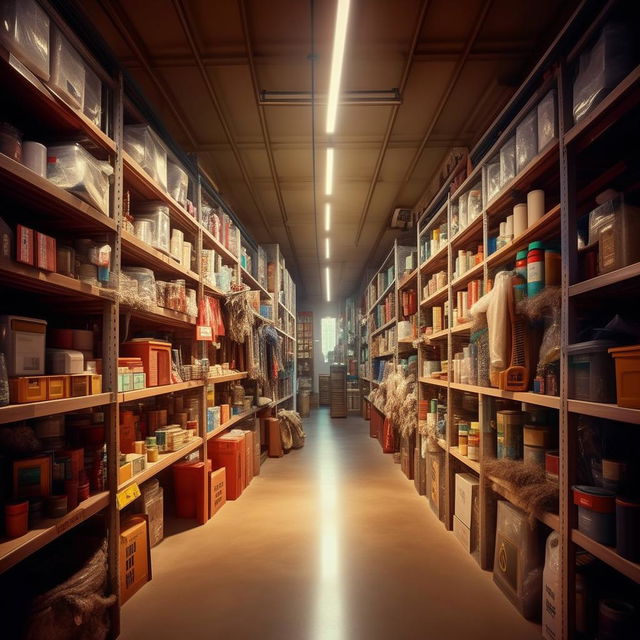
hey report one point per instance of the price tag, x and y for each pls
(127, 496)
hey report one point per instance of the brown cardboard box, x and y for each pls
(217, 490)
(135, 558)
(45, 252)
(407, 446)
(25, 249)
(248, 440)
(274, 438)
(419, 478)
(257, 449)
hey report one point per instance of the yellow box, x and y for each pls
(28, 389)
(135, 559)
(85, 384)
(57, 387)
(125, 472)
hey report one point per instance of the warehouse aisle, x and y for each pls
(328, 543)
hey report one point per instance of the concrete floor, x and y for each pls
(330, 542)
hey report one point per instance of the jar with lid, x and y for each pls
(535, 268)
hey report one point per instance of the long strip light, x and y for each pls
(327, 216)
(339, 41)
(328, 177)
(327, 249)
(328, 277)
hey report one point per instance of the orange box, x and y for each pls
(57, 387)
(217, 490)
(135, 555)
(228, 451)
(225, 411)
(627, 361)
(125, 472)
(156, 359)
(28, 389)
(128, 422)
(190, 483)
(274, 438)
(85, 384)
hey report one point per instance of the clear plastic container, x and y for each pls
(73, 168)
(592, 371)
(92, 105)
(602, 67)
(493, 178)
(507, 161)
(143, 230)
(177, 182)
(24, 31)
(146, 283)
(526, 140)
(144, 146)
(158, 214)
(474, 208)
(547, 120)
(67, 70)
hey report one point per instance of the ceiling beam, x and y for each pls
(186, 27)
(265, 135)
(391, 122)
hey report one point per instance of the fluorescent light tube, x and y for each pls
(337, 59)
(328, 184)
(327, 252)
(327, 216)
(328, 276)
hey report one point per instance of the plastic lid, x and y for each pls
(521, 255)
(538, 244)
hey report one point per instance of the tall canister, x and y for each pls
(509, 437)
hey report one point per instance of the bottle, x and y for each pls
(535, 268)
(474, 441)
(521, 263)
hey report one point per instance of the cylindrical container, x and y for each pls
(82, 340)
(56, 506)
(474, 441)
(613, 474)
(520, 220)
(534, 454)
(509, 228)
(181, 418)
(16, 518)
(463, 438)
(535, 268)
(535, 206)
(34, 156)
(596, 513)
(139, 447)
(10, 141)
(66, 261)
(84, 490)
(509, 434)
(538, 435)
(552, 465)
(238, 394)
(616, 620)
(152, 453)
(150, 441)
(552, 268)
(35, 512)
(628, 528)
(71, 489)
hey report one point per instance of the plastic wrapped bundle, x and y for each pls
(24, 30)
(73, 168)
(146, 294)
(547, 122)
(602, 68)
(526, 140)
(157, 214)
(144, 146)
(507, 161)
(152, 505)
(177, 183)
(493, 178)
(67, 70)
(92, 105)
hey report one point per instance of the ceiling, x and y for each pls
(203, 63)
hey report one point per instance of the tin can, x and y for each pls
(510, 438)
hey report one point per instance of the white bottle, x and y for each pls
(551, 587)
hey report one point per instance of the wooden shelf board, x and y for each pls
(285, 308)
(505, 489)
(150, 392)
(607, 411)
(140, 181)
(164, 460)
(408, 280)
(608, 555)
(438, 335)
(434, 260)
(386, 292)
(213, 290)
(15, 550)
(462, 328)
(472, 464)
(552, 402)
(233, 420)
(47, 198)
(472, 273)
(386, 354)
(436, 297)
(547, 227)
(606, 280)
(135, 249)
(386, 325)
(46, 282)
(408, 341)
(211, 243)
(285, 399)
(434, 381)
(468, 233)
(162, 316)
(228, 377)
(250, 280)
(284, 333)
(442, 443)
(28, 410)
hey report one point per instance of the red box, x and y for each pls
(228, 451)
(190, 482)
(45, 252)
(156, 359)
(24, 245)
(128, 422)
(217, 490)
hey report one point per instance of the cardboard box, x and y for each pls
(190, 481)
(463, 534)
(76, 457)
(135, 556)
(27, 389)
(248, 441)
(58, 387)
(257, 450)
(125, 472)
(85, 384)
(274, 438)
(228, 451)
(407, 446)
(45, 252)
(466, 494)
(217, 490)
(419, 478)
(25, 251)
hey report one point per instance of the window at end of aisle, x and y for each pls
(328, 332)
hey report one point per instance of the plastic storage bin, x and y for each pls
(67, 70)
(24, 31)
(507, 161)
(177, 182)
(547, 120)
(526, 140)
(92, 105)
(158, 215)
(493, 178)
(591, 371)
(144, 146)
(627, 362)
(602, 67)
(22, 340)
(73, 168)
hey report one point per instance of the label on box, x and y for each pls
(127, 496)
